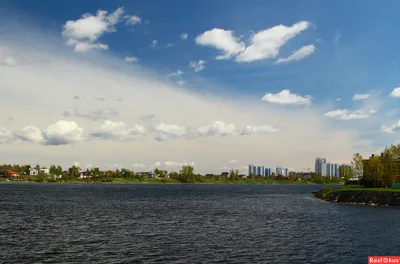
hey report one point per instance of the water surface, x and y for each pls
(108, 223)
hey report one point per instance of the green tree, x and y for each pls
(59, 170)
(53, 170)
(357, 167)
(73, 171)
(186, 174)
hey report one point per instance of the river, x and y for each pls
(111, 223)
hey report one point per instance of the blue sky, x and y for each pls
(351, 49)
(353, 40)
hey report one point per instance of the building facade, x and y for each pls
(326, 169)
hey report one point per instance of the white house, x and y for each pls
(45, 170)
(33, 172)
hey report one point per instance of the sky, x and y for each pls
(212, 84)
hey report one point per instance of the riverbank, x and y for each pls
(173, 181)
(361, 196)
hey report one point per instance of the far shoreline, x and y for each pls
(127, 182)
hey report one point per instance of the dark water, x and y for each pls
(45, 223)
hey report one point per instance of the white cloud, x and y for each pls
(391, 129)
(338, 99)
(139, 165)
(83, 33)
(173, 74)
(298, 54)
(154, 43)
(264, 129)
(132, 20)
(216, 128)
(180, 82)
(223, 40)
(184, 36)
(285, 97)
(130, 59)
(197, 65)
(118, 131)
(266, 44)
(395, 92)
(169, 45)
(86, 46)
(345, 114)
(5, 136)
(357, 97)
(61, 133)
(166, 131)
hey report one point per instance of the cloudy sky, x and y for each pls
(215, 84)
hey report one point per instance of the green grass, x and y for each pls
(360, 188)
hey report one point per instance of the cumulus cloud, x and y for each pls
(173, 74)
(216, 128)
(130, 59)
(345, 114)
(167, 131)
(83, 33)
(391, 129)
(338, 99)
(100, 114)
(285, 97)
(264, 44)
(5, 136)
(184, 36)
(264, 129)
(177, 165)
(132, 20)
(395, 92)
(118, 131)
(61, 133)
(138, 165)
(222, 40)
(358, 97)
(197, 65)
(298, 54)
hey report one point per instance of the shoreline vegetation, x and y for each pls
(186, 175)
(169, 181)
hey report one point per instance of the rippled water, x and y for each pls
(107, 223)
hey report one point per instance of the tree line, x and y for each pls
(378, 170)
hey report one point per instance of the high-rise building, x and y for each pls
(286, 172)
(258, 171)
(251, 168)
(326, 169)
(254, 170)
(262, 171)
(318, 165)
(267, 172)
